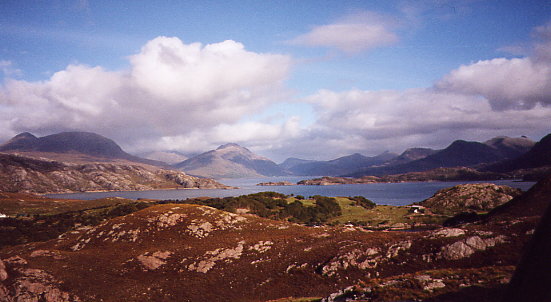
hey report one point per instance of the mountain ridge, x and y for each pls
(459, 153)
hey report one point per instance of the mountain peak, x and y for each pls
(24, 135)
(19, 142)
(230, 145)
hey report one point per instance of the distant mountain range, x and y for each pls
(458, 154)
(71, 146)
(339, 166)
(499, 155)
(230, 161)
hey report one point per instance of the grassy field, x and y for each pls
(380, 216)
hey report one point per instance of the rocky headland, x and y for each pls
(24, 174)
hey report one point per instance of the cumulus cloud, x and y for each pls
(171, 89)
(517, 83)
(353, 34)
(190, 73)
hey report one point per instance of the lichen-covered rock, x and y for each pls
(154, 261)
(448, 232)
(3, 272)
(211, 257)
(465, 248)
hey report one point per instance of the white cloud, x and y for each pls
(171, 89)
(190, 73)
(518, 83)
(356, 33)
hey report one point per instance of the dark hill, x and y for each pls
(341, 165)
(538, 156)
(87, 143)
(533, 274)
(532, 203)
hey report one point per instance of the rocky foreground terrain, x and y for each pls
(183, 252)
(24, 174)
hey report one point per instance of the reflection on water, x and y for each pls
(381, 193)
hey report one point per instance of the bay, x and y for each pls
(380, 193)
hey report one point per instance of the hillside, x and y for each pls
(178, 252)
(23, 174)
(228, 161)
(71, 147)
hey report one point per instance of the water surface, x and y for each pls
(380, 193)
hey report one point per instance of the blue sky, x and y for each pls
(312, 79)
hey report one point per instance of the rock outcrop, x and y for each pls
(470, 197)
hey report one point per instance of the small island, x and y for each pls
(277, 183)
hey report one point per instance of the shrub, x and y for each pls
(363, 202)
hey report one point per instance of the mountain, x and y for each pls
(230, 161)
(68, 146)
(341, 165)
(511, 147)
(538, 156)
(460, 153)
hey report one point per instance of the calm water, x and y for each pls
(381, 193)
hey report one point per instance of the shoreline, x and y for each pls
(107, 191)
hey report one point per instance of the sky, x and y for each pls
(307, 79)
